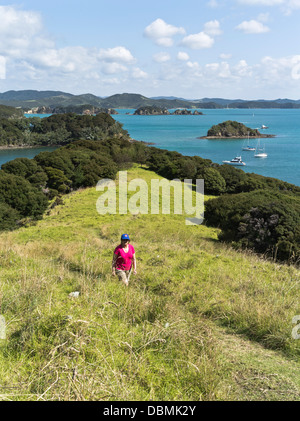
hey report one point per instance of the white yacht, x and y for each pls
(248, 148)
(264, 127)
(261, 154)
(260, 151)
(235, 161)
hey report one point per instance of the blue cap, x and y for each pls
(125, 237)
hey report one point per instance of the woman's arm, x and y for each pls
(134, 263)
(113, 264)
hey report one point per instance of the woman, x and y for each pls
(124, 260)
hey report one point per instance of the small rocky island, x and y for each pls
(152, 110)
(233, 130)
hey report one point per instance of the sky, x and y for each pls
(246, 49)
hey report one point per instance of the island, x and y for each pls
(154, 110)
(233, 130)
(151, 110)
(184, 111)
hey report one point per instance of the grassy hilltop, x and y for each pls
(200, 321)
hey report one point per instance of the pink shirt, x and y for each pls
(124, 260)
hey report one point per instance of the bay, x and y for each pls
(181, 134)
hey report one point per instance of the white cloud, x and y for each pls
(182, 56)
(198, 41)
(116, 54)
(113, 68)
(263, 17)
(220, 70)
(252, 27)
(137, 73)
(287, 6)
(262, 2)
(2, 67)
(21, 32)
(281, 69)
(212, 3)
(242, 69)
(161, 57)
(225, 56)
(212, 28)
(161, 32)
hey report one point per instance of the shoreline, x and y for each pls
(263, 136)
(13, 147)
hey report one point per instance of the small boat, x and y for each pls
(264, 127)
(260, 155)
(248, 148)
(260, 152)
(235, 161)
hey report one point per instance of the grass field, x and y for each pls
(199, 321)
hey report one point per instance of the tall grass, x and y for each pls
(156, 340)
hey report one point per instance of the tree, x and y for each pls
(19, 194)
(214, 183)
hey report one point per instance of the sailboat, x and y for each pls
(260, 152)
(248, 147)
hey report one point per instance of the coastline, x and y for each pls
(263, 136)
(12, 147)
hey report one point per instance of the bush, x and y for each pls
(266, 221)
(8, 217)
(26, 168)
(214, 183)
(20, 195)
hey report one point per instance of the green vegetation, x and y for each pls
(59, 129)
(264, 221)
(10, 112)
(156, 110)
(253, 211)
(29, 99)
(151, 110)
(200, 321)
(232, 129)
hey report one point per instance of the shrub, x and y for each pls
(19, 194)
(8, 217)
(266, 221)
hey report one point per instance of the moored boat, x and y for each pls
(235, 161)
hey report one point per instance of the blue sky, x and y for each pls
(245, 49)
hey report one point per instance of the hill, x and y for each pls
(10, 112)
(29, 99)
(200, 321)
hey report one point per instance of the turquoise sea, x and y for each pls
(180, 133)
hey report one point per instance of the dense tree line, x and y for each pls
(252, 211)
(58, 129)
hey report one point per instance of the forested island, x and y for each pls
(233, 130)
(152, 110)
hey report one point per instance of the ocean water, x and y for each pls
(181, 134)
